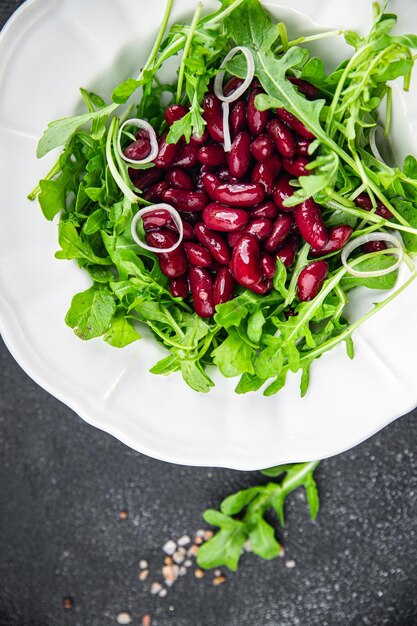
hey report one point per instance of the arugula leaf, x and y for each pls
(74, 246)
(121, 332)
(225, 548)
(234, 357)
(91, 313)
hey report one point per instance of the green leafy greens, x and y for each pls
(261, 339)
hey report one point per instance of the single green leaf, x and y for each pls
(195, 376)
(74, 246)
(225, 548)
(249, 382)
(233, 312)
(166, 366)
(312, 496)
(280, 278)
(269, 361)
(256, 322)
(263, 542)
(121, 332)
(369, 265)
(235, 503)
(234, 357)
(91, 312)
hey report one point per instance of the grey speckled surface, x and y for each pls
(62, 485)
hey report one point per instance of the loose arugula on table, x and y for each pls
(251, 336)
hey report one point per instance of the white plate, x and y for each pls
(48, 50)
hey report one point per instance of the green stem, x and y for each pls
(158, 40)
(187, 47)
(294, 480)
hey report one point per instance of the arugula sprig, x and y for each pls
(242, 516)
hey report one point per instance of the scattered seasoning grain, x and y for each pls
(163, 593)
(156, 587)
(182, 571)
(208, 534)
(247, 546)
(124, 618)
(67, 602)
(193, 550)
(178, 557)
(168, 560)
(200, 532)
(218, 580)
(143, 575)
(146, 620)
(170, 574)
(198, 541)
(184, 540)
(290, 564)
(218, 572)
(143, 564)
(123, 515)
(199, 573)
(170, 547)
(188, 563)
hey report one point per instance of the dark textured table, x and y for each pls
(70, 556)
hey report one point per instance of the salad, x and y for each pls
(234, 210)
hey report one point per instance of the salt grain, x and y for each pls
(192, 551)
(156, 587)
(143, 564)
(290, 564)
(199, 573)
(184, 540)
(178, 557)
(182, 571)
(218, 580)
(247, 546)
(200, 533)
(124, 618)
(217, 572)
(143, 575)
(169, 547)
(163, 593)
(188, 563)
(208, 534)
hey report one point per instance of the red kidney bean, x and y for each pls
(307, 89)
(257, 120)
(212, 155)
(262, 147)
(213, 115)
(185, 200)
(302, 145)
(266, 173)
(159, 218)
(239, 194)
(198, 176)
(239, 158)
(297, 167)
(167, 152)
(223, 286)
(199, 141)
(188, 231)
(172, 264)
(338, 236)
(294, 123)
(374, 246)
(197, 254)
(311, 279)
(268, 266)
(179, 286)
(364, 202)
(154, 192)
(174, 112)
(225, 176)
(232, 84)
(280, 231)
(282, 191)
(214, 243)
(262, 287)
(202, 291)
(310, 223)
(223, 218)
(145, 178)
(215, 267)
(267, 210)
(288, 250)
(283, 138)
(210, 183)
(259, 228)
(186, 156)
(138, 150)
(179, 179)
(238, 117)
(246, 264)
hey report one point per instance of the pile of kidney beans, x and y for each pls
(232, 204)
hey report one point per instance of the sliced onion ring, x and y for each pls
(355, 243)
(388, 158)
(227, 140)
(218, 81)
(150, 209)
(152, 138)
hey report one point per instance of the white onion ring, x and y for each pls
(152, 138)
(374, 148)
(227, 140)
(355, 243)
(218, 81)
(149, 209)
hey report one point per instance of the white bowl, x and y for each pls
(50, 48)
